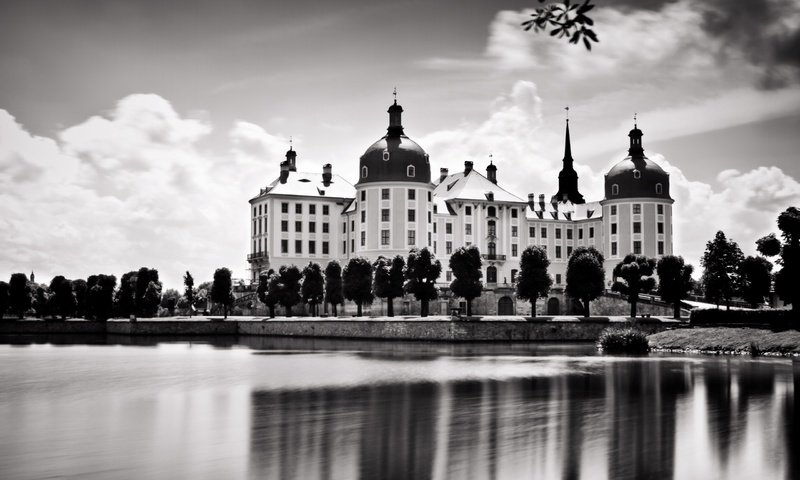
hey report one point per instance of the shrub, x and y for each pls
(623, 340)
(715, 316)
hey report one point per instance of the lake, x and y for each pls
(255, 407)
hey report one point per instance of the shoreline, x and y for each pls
(742, 340)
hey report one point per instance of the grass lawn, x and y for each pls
(728, 340)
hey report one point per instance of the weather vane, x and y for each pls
(634, 119)
(290, 142)
(567, 109)
(490, 159)
(395, 94)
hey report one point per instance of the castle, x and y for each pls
(396, 205)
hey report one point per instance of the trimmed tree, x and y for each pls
(755, 280)
(81, 290)
(147, 292)
(636, 274)
(721, 262)
(3, 298)
(422, 270)
(126, 294)
(170, 300)
(388, 282)
(41, 300)
(313, 287)
(333, 285)
(674, 281)
(533, 280)
(586, 276)
(357, 282)
(222, 289)
(289, 287)
(788, 277)
(100, 301)
(189, 291)
(19, 294)
(268, 290)
(465, 263)
(62, 301)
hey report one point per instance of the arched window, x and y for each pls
(491, 275)
(386, 155)
(637, 174)
(363, 172)
(615, 189)
(492, 228)
(492, 212)
(427, 158)
(411, 171)
(492, 247)
(659, 188)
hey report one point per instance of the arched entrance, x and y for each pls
(553, 306)
(505, 306)
(491, 275)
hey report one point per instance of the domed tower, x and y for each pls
(394, 194)
(637, 208)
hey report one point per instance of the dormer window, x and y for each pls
(427, 158)
(637, 174)
(659, 189)
(386, 155)
(363, 172)
(411, 171)
(614, 189)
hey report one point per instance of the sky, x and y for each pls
(133, 133)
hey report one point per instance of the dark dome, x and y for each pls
(636, 176)
(395, 157)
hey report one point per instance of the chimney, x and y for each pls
(491, 173)
(291, 157)
(284, 171)
(532, 201)
(326, 174)
(467, 167)
(443, 172)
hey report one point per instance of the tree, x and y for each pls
(333, 285)
(62, 301)
(422, 270)
(465, 263)
(170, 300)
(568, 20)
(268, 290)
(19, 294)
(788, 277)
(721, 262)
(289, 287)
(674, 281)
(586, 276)
(636, 273)
(126, 294)
(100, 301)
(357, 282)
(388, 282)
(189, 291)
(41, 301)
(147, 303)
(3, 298)
(313, 286)
(755, 274)
(533, 281)
(222, 289)
(81, 291)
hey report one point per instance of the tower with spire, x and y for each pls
(568, 177)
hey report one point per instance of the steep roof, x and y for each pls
(472, 186)
(305, 184)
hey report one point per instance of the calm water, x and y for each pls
(303, 409)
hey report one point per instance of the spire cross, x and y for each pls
(395, 94)
(634, 119)
(290, 142)
(567, 109)
(490, 159)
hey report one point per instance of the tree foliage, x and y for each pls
(100, 301)
(533, 280)
(170, 300)
(388, 281)
(3, 298)
(189, 291)
(465, 263)
(787, 278)
(357, 282)
(62, 299)
(674, 281)
(586, 276)
(289, 287)
(269, 290)
(313, 287)
(721, 262)
(566, 19)
(222, 289)
(422, 270)
(755, 280)
(126, 294)
(148, 292)
(19, 294)
(333, 284)
(81, 291)
(635, 272)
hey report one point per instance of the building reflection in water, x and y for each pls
(616, 420)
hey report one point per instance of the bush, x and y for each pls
(713, 316)
(623, 340)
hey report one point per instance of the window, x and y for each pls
(411, 171)
(284, 246)
(352, 245)
(384, 237)
(660, 209)
(384, 194)
(513, 275)
(514, 231)
(468, 210)
(637, 247)
(344, 246)
(492, 247)
(325, 248)
(429, 239)
(448, 247)
(429, 217)
(449, 276)
(434, 247)
(326, 210)
(344, 227)
(614, 249)
(558, 279)
(491, 275)
(312, 209)
(591, 232)
(363, 216)
(412, 215)
(412, 237)
(569, 234)
(312, 227)
(614, 189)
(363, 238)
(637, 227)
(558, 251)
(448, 228)
(613, 209)
(254, 211)
(544, 232)
(532, 232)
(468, 229)
(558, 233)
(312, 247)
(386, 155)
(434, 228)
(325, 227)
(492, 228)
(580, 234)
(298, 226)
(637, 208)
(661, 248)
(384, 215)
(514, 248)
(637, 174)
(363, 195)
(284, 207)
(569, 252)
(352, 225)
(659, 189)
(613, 229)
(298, 208)
(513, 213)
(298, 246)
(364, 172)
(412, 194)
(491, 212)
(284, 225)
(660, 227)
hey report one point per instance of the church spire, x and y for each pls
(568, 177)
(567, 144)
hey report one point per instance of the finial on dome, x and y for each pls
(567, 109)
(290, 142)
(490, 159)
(395, 95)
(634, 120)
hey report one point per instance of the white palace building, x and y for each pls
(397, 205)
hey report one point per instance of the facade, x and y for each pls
(396, 205)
